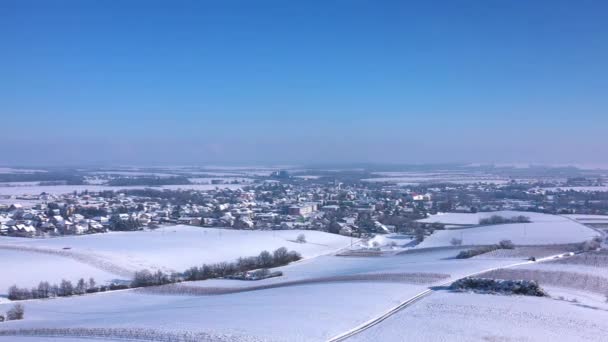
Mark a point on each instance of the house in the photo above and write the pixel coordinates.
(302, 209)
(195, 221)
(24, 230)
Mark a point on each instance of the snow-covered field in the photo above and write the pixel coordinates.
(27, 269)
(170, 248)
(543, 229)
(446, 316)
(535, 233)
(588, 219)
(299, 313)
(315, 299)
(473, 218)
(410, 178)
(312, 311)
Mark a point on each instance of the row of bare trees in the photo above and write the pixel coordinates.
(46, 290)
(265, 259)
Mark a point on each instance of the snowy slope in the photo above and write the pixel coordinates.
(474, 317)
(179, 247)
(535, 233)
(312, 312)
(26, 269)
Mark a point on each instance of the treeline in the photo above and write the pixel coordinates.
(64, 289)
(149, 181)
(68, 178)
(265, 259)
(145, 278)
(469, 253)
(497, 219)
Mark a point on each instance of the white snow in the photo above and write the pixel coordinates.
(314, 311)
(170, 248)
(473, 218)
(475, 317)
(26, 269)
(535, 233)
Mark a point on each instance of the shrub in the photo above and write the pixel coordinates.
(469, 253)
(456, 242)
(506, 244)
(15, 313)
(486, 285)
(301, 238)
(497, 219)
(592, 244)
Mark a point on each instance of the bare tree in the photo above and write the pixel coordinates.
(15, 313)
(81, 287)
(66, 288)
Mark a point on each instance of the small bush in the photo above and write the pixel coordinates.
(591, 245)
(506, 244)
(301, 238)
(456, 242)
(469, 253)
(497, 219)
(17, 312)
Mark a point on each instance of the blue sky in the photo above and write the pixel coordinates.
(156, 82)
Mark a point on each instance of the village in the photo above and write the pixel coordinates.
(282, 202)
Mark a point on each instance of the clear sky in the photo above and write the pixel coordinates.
(191, 82)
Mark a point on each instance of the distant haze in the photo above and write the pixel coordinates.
(259, 82)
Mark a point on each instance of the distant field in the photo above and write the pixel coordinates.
(539, 233)
(473, 218)
(64, 189)
(543, 230)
